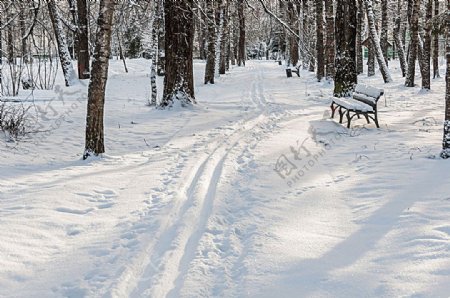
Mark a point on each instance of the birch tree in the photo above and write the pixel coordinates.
(426, 55)
(446, 140)
(95, 140)
(330, 39)
(376, 43)
(63, 49)
(398, 39)
(211, 42)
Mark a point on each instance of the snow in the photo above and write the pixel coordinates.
(187, 202)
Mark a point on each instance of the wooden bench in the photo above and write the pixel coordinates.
(291, 70)
(363, 102)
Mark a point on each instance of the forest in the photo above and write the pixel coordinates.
(224, 148)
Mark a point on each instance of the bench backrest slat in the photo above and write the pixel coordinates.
(367, 94)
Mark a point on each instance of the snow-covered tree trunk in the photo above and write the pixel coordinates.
(359, 38)
(436, 45)
(312, 39)
(63, 49)
(320, 51)
(304, 34)
(346, 76)
(224, 45)
(446, 140)
(371, 60)
(384, 29)
(413, 46)
(426, 55)
(211, 39)
(330, 40)
(154, 56)
(376, 43)
(241, 47)
(83, 40)
(398, 40)
(293, 40)
(161, 66)
(219, 40)
(95, 143)
(179, 46)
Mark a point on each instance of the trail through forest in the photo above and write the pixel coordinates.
(194, 203)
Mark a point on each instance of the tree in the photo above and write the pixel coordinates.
(413, 46)
(211, 39)
(241, 46)
(83, 40)
(320, 51)
(446, 140)
(398, 39)
(359, 38)
(426, 54)
(436, 44)
(346, 76)
(376, 42)
(384, 29)
(95, 143)
(63, 50)
(179, 44)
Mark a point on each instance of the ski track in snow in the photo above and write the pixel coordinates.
(198, 211)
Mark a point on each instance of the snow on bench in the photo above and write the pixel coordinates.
(363, 102)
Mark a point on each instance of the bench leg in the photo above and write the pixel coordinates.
(333, 109)
(376, 120)
(341, 115)
(349, 119)
(367, 118)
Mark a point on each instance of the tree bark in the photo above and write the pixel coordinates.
(346, 75)
(63, 49)
(436, 45)
(211, 46)
(426, 55)
(376, 43)
(446, 140)
(95, 143)
(180, 30)
(161, 67)
(242, 33)
(83, 41)
(398, 40)
(320, 51)
(414, 31)
(384, 30)
(359, 38)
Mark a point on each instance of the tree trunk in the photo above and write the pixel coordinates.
(305, 37)
(225, 39)
(414, 28)
(376, 43)
(330, 41)
(320, 51)
(426, 55)
(179, 79)
(154, 52)
(83, 41)
(371, 60)
(359, 38)
(384, 30)
(346, 75)
(95, 143)
(211, 47)
(63, 50)
(436, 45)
(398, 40)
(161, 67)
(446, 140)
(241, 47)
(293, 41)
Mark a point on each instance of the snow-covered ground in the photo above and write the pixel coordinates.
(187, 203)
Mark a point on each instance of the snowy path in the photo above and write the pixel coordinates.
(197, 209)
